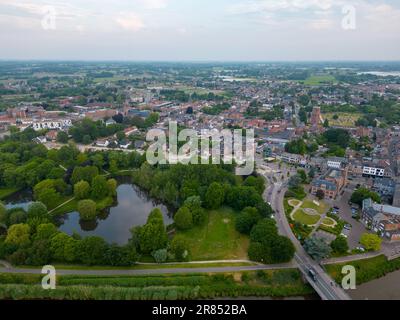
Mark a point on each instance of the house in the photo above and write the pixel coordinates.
(110, 122)
(382, 219)
(139, 144)
(124, 144)
(332, 183)
(40, 139)
(294, 159)
(102, 143)
(52, 135)
(131, 130)
(336, 163)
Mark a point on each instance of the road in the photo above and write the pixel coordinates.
(323, 284)
(138, 272)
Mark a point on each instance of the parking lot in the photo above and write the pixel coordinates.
(357, 229)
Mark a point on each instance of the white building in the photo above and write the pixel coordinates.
(51, 124)
(373, 171)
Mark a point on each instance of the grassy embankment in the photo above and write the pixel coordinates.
(274, 283)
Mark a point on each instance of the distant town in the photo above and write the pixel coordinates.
(327, 140)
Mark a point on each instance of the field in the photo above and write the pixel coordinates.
(304, 218)
(346, 120)
(271, 283)
(319, 80)
(367, 269)
(309, 213)
(218, 239)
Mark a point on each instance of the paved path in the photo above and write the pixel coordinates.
(152, 271)
(5, 264)
(201, 262)
(61, 205)
(352, 258)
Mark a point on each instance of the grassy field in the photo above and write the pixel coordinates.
(345, 119)
(322, 208)
(304, 218)
(271, 283)
(6, 192)
(318, 80)
(218, 239)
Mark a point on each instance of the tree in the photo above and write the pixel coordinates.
(160, 256)
(16, 216)
(81, 190)
(87, 210)
(282, 250)
(326, 123)
(62, 137)
(214, 196)
(296, 147)
(152, 236)
(91, 251)
(183, 219)
(257, 182)
(320, 194)
(247, 219)
(38, 210)
(50, 197)
(45, 231)
(84, 173)
(18, 234)
(99, 187)
(371, 242)
(340, 245)
(317, 248)
(63, 248)
(112, 187)
(179, 248)
(362, 194)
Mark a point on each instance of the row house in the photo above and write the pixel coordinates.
(382, 219)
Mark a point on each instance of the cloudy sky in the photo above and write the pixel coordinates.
(200, 30)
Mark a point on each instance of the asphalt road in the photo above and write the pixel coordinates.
(323, 284)
(137, 272)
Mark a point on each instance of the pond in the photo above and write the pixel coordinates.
(131, 209)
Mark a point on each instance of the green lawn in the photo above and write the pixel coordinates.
(322, 208)
(302, 217)
(328, 222)
(218, 239)
(318, 80)
(67, 208)
(6, 192)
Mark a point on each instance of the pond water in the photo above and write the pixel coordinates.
(131, 209)
(21, 199)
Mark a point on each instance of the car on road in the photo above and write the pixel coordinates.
(348, 226)
(313, 274)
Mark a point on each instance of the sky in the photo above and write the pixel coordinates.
(200, 30)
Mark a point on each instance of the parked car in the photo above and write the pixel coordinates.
(348, 227)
